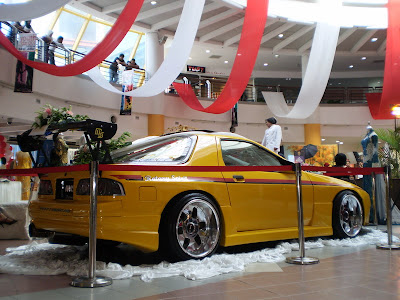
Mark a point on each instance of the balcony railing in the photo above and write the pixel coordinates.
(64, 56)
(205, 87)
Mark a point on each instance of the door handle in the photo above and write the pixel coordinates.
(238, 178)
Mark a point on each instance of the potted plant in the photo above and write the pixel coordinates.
(390, 155)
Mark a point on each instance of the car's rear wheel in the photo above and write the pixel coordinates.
(347, 218)
(191, 228)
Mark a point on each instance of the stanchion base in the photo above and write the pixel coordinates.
(86, 282)
(302, 260)
(388, 247)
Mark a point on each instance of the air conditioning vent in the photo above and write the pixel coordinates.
(215, 56)
(379, 61)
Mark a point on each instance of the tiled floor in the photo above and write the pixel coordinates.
(343, 273)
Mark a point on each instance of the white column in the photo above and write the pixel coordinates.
(154, 53)
(304, 63)
(153, 59)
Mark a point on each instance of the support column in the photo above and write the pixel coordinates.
(312, 134)
(154, 58)
(155, 124)
(304, 64)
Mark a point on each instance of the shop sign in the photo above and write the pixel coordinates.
(196, 69)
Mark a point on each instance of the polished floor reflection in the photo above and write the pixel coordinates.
(343, 273)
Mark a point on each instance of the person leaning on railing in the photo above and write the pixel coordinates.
(53, 46)
(114, 67)
(132, 65)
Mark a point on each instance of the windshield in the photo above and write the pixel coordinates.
(175, 150)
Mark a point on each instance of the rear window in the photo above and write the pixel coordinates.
(172, 150)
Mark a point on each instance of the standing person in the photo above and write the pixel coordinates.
(53, 46)
(47, 39)
(114, 67)
(273, 135)
(28, 27)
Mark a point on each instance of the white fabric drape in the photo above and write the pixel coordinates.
(29, 10)
(316, 77)
(174, 62)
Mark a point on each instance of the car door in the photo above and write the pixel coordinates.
(261, 200)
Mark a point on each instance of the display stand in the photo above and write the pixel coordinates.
(92, 280)
(302, 259)
(389, 245)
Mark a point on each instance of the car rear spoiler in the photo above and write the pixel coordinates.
(95, 132)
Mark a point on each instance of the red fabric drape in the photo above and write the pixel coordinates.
(380, 105)
(252, 32)
(96, 56)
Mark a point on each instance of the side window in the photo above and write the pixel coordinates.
(241, 153)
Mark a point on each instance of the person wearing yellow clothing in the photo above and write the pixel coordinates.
(24, 161)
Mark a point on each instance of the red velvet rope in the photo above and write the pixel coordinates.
(96, 56)
(46, 170)
(380, 105)
(252, 32)
(338, 171)
(330, 171)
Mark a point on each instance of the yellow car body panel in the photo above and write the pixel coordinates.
(260, 207)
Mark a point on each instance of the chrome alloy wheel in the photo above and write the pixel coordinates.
(197, 228)
(351, 215)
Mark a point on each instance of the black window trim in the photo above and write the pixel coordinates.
(283, 161)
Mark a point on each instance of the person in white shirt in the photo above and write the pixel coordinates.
(273, 135)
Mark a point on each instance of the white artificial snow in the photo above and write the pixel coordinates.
(48, 259)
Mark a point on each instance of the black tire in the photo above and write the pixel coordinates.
(347, 215)
(190, 228)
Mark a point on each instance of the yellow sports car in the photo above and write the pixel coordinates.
(204, 193)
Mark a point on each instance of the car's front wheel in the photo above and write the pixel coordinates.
(347, 218)
(191, 228)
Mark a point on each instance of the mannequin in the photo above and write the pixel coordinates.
(370, 151)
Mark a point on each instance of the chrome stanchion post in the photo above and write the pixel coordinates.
(301, 260)
(389, 245)
(374, 198)
(92, 280)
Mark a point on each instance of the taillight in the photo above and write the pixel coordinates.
(45, 187)
(106, 187)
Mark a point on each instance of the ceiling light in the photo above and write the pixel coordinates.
(341, 143)
(322, 140)
(266, 64)
(337, 141)
(280, 35)
(351, 67)
(208, 51)
(373, 40)
(276, 55)
(363, 58)
(190, 57)
(226, 61)
(153, 2)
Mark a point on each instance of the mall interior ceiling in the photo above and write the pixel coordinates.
(284, 43)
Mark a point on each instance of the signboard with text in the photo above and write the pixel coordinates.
(196, 69)
(27, 42)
